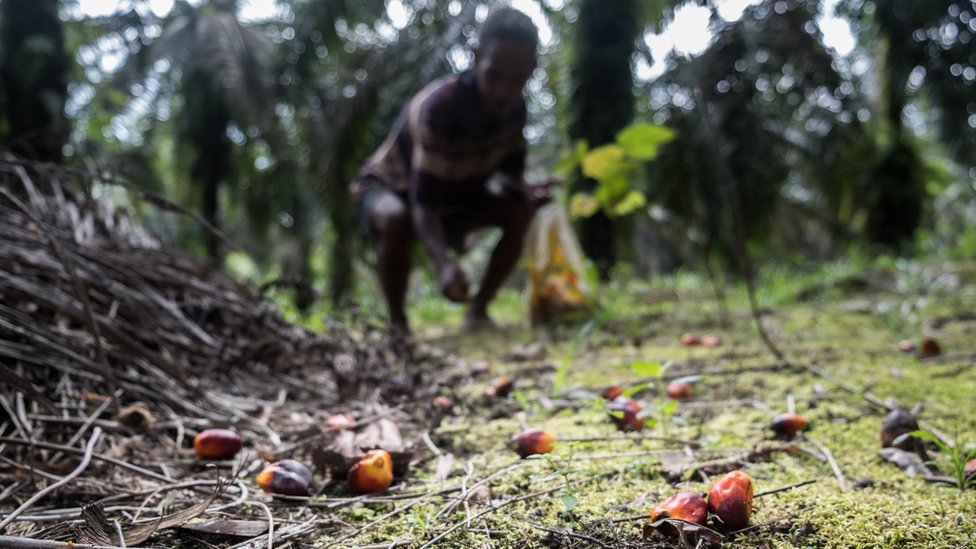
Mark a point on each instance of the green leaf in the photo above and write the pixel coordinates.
(566, 165)
(669, 407)
(583, 205)
(560, 377)
(602, 160)
(633, 201)
(647, 369)
(569, 501)
(641, 141)
(635, 389)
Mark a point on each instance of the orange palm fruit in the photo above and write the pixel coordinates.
(711, 341)
(533, 441)
(442, 404)
(625, 413)
(373, 473)
(287, 477)
(679, 390)
(929, 348)
(683, 505)
(970, 468)
(217, 444)
(730, 499)
(690, 340)
(503, 386)
(789, 424)
(611, 393)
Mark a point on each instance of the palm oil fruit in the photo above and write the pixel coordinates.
(899, 422)
(679, 390)
(970, 468)
(373, 473)
(625, 413)
(690, 340)
(730, 499)
(929, 348)
(533, 441)
(611, 393)
(287, 477)
(687, 506)
(711, 341)
(340, 421)
(217, 444)
(789, 424)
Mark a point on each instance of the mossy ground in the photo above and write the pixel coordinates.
(848, 322)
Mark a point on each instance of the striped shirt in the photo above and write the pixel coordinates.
(444, 147)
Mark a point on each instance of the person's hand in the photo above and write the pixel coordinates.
(453, 282)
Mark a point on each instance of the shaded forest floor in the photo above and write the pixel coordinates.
(845, 320)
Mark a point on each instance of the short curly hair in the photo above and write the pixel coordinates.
(507, 23)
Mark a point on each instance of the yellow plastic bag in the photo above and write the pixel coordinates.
(556, 282)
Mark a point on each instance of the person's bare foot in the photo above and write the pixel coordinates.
(476, 320)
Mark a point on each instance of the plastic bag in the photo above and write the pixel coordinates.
(556, 282)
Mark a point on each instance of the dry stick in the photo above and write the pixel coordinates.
(12, 542)
(100, 457)
(80, 290)
(270, 522)
(89, 448)
(88, 422)
(566, 533)
(738, 218)
(490, 510)
(635, 439)
(358, 531)
(833, 463)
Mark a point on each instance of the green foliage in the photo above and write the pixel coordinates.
(614, 166)
(955, 456)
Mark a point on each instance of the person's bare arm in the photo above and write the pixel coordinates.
(451, 279)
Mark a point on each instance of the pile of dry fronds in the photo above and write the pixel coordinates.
(111, 337)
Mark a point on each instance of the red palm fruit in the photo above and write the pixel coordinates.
(217, 444)
(503, 386)
(906, 346)
(287, 477)
(442, 404)
(533, 441)
(970, 468)
(340, 421)
(480, 368)
(373, 473)
(730, 499)
(624, 412)
(690, 340)
(898, 422)
(611, 393)
(683, 505)
(711, 340)
(789, 424)
(929, 348)
(679, 390)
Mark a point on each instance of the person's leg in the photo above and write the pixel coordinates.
(513, 216)
(392, 228)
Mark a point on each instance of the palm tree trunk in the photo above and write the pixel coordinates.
(33, 76)
(602, 101)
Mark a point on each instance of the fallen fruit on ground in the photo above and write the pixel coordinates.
(730, 499)
(897, 423)
(217, 444)
(533, 441)
(340, 421)
(687, 506)
(442, 404)
(611, 393)
(929, 348)
(711, 340)
(625, 411)
(970, 468)
(287, 477)
(679, 390)
(906, 346)
(690, 340)
(503, 386)
(788, 424)
(373, 473)
(480, 368)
